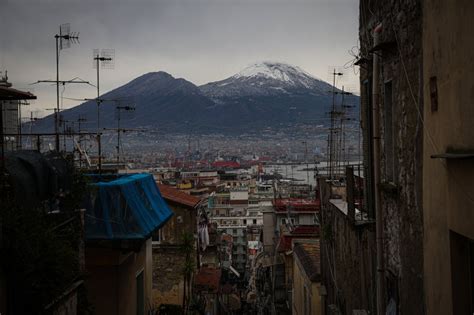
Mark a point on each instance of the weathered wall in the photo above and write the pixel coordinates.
(168, 280)
(184, 220)
(300, 281)
(347, 258)
(448, 193)
(269, 231)
(111, 282)
(400, 64)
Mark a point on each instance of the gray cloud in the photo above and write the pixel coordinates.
(200, 40)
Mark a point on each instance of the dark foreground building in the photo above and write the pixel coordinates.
(406, 246)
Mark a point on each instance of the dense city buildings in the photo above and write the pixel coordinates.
(270, 192)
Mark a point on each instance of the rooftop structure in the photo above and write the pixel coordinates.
(127, 207)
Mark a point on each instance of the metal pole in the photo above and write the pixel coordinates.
(98, 95)
(19, 140)
(332, 122)
(307, 166)
(118, 136)
(57, 94)
(100, 160)
(98, 117)
(2, 138)
(80, 142)
(64, 134)
(31, 128)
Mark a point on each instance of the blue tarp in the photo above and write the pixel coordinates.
(128, 207)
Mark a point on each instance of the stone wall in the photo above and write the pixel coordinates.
(400, 68)
(168, 279)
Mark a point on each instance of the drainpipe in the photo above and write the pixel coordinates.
(376, 171)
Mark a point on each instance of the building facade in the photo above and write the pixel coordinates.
(306, 297)
(448, 170)
(392, 126)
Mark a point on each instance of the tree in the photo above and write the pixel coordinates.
(187, 247)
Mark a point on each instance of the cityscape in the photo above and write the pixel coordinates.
(178, 174)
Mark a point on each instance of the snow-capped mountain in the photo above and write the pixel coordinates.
(262, 95)
(266, 78)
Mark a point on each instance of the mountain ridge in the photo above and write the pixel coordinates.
(262, 95)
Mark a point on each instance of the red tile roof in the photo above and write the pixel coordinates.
(225, 164)
(305, 229)
(175, 195)
(297, 205)
(299, 232)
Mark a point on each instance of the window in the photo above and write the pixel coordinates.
(389, 142)
(254, 221)
(157, 237)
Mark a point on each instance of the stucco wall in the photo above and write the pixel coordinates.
(448, 187)
(300, 281)
(111, 281)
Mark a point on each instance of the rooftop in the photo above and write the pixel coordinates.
(297, 204)
(10, 94)
(175, 195)
(299, 232)
(309, 256)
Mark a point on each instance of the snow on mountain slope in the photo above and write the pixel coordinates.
(266, 78)
(278, 71)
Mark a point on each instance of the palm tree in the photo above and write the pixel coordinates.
(187, 247)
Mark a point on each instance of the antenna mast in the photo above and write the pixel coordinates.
(63, 41)
(119, 109)
(105, 59)
(332, 130)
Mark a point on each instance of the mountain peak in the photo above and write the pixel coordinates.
(266, 78)
(274, 70)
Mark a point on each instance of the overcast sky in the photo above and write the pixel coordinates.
(199, 40)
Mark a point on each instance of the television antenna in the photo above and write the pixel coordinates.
(105, 59)
(63, 41)
(119, 109)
